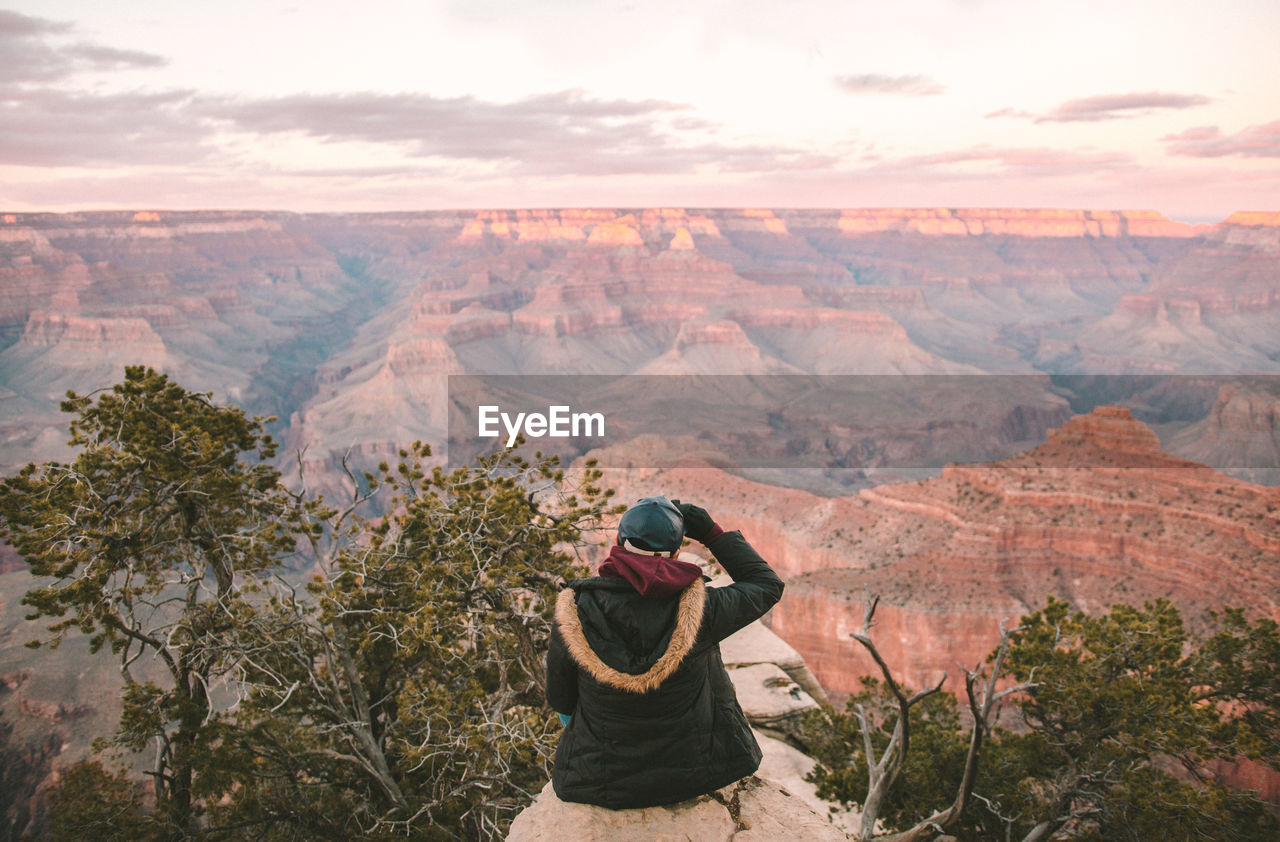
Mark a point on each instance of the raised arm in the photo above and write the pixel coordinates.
(755, 589)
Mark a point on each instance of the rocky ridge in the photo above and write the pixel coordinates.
(346, 325)
(1098, 514)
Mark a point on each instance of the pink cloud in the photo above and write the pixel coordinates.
(1094, 109)
(50, 127)
(26, 56)
(559, 133)
(1014, 160)
(1009, 112)
(878, 83)
(1261, 141)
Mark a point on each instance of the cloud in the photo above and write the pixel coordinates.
(565, 133)
(28, 56)
(48, 127)
(877, 83)
(1095, 109)
(560, 133)
(1010, 112)
(98, 57)
(48, 123)
(15, 25)
(1261, 141)
(456, 127)
(1008, 161)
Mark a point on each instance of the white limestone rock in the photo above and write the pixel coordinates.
(768, 695)
(786, 766)
(751, 810)
(756, 644)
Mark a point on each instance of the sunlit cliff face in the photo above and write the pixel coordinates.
(954, 555)
(347, 326)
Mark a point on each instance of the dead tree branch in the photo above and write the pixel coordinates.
(882, 772)
(980, 688)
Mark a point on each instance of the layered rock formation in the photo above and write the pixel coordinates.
(348, 326)
(1098, 514)
(234, 303)
(1022, 223)
(332, 322)
(1241, 433)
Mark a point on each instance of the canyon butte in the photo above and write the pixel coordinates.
(346, 327)
(1120, 423)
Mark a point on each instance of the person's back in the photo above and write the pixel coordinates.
(635, 662)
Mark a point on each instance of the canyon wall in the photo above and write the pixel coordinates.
(1097, 515)
(346, 326)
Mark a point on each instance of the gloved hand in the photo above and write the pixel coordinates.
(698, 525)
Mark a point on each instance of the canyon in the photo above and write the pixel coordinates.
(346, 326)
(1086, 402)
(1096, 515)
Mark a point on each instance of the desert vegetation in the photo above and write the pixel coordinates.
(395, 689)
(1113, 727)
(295, 667)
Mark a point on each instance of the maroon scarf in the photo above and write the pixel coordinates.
(651, 576)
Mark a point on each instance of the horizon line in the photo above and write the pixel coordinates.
(6, 214)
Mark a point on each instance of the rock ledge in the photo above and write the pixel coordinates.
(751, 810)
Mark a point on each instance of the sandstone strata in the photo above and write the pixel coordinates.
(286, 313)
(1019, 222)
(1099, 514)
(1241, 433)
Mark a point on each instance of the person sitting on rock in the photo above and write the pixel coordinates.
(634, 664)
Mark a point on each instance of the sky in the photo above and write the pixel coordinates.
(382, 105)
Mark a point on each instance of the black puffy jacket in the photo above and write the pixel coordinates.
(655, 719)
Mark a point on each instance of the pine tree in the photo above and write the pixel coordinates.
(402, 693)
(145, 542)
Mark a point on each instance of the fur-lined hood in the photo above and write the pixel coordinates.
(687, 622)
